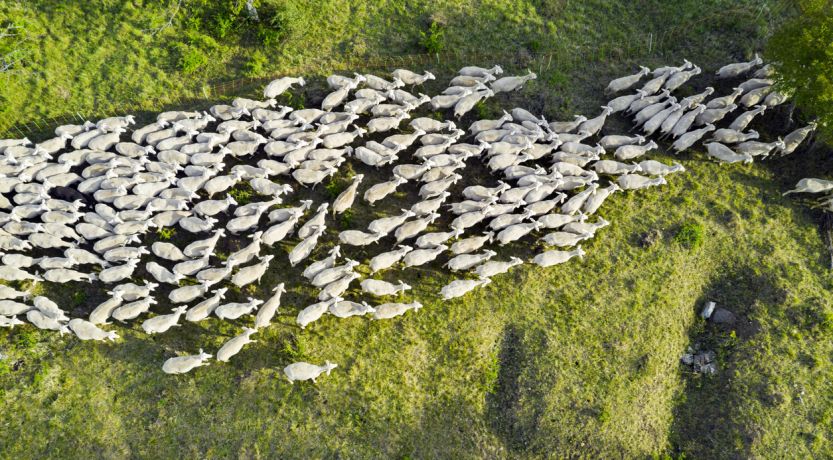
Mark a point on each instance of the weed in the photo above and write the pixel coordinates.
(242, 194)
(345, 220)
(25, 338)
(690, 235)
(165, 233)
(79, 297)
(433, 40)
(334, 187)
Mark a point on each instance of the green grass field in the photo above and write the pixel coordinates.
(581, 360)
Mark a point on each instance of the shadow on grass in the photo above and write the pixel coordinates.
(707, 419)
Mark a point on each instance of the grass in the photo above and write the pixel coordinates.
(583, 360)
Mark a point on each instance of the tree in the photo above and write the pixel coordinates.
(802, 53)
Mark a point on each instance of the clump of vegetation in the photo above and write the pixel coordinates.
(256, 63)
(690, 235)
(79, 297)
(190, 59)
(334, 187)
(165, 233)
(433, 39)
(242, 194)
(800, 51)
(345, 220)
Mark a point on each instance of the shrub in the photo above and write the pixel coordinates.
(254, 66)
(433, 40)
(191, 59)
(690, 235)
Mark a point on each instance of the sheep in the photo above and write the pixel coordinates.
(669, 114)
(104, 310)
(236, 310)
(132, 310)
(459, 288)
(471, 244)
(384, 124)
(184, 364)
(430, 206)
(186, 294)
(269, 308)
(383, 288)
(85, 330)
(742, 121)
(811, 185)
(307, 177)
(205, 308)
(543, 207)
(467, 261)
(508, 84)
(328, 275)
(303, 249)
(315, 311)
(737, 69)
(131, 292)
(555, 257)
(655, 84)
(161, 323)
(504, 220)
(763, 149)
(410, 78)
(678, 79)
(711, 116)
(565, 239)
(392, 310)
(682, 125)
(516, 232)
(346, 309)
(647, 101)
(438, 187)
(672, 69)
(284, 214)
(49, 308)
(277, 87)
(615, 141)
(358, 238)
(624, 83)
(250, 274)
(13, 308)
(388, 259)
(466, 103)
(10, 321)
(686, 140)
(727, 100)
(635, 181)
(7, 292)
(200, 248)
(655, 168)
(306, 371)
(731, 136)
(419, 257)
(795, 138)
(62, 275)
(474, 71)
(756, 96)
(724, 154)
(775, 98)
(317, 220)
(494, 267)
(235, 344)
(629, 152)
(621, 103)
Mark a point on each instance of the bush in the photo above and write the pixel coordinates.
(690, 235)
(241, 194)
(254, 66)
(191, 59)
(433, 40)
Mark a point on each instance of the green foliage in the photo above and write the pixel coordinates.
(25, 338)
(79, 297)
(690, 235)
(165, 233)
(190, 59)
(254, 66)
(345, 220)
(433, 39)
(802, 51)
(241, 193)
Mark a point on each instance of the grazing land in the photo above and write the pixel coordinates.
(578, 360)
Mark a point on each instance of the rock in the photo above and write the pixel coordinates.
(708, 310)
(723, 316)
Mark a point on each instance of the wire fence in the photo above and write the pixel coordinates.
(566, 59)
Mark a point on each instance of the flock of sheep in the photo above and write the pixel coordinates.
(85, 201)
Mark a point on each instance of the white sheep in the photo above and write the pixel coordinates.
(235, 345)
(383, 288)
(86, 330)
(555, 257)
(315, 311)
(161, 323)
(235, 310)
(623, 83)
(305, 371)
(392, 310)
(724, 154)
(184, 364)
(459, 288)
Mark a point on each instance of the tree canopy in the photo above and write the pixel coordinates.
(802, 52)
